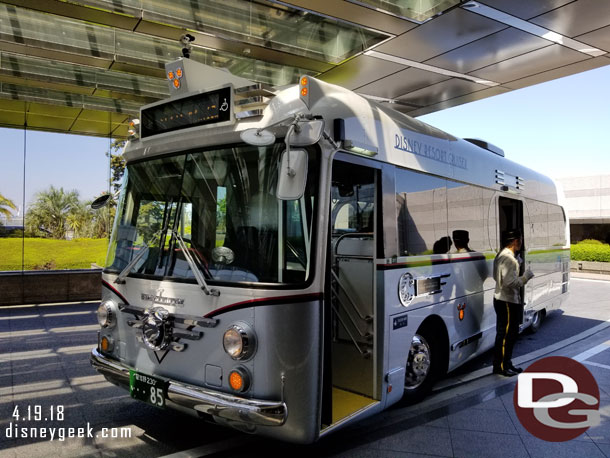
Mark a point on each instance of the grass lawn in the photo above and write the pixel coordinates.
(52, 254)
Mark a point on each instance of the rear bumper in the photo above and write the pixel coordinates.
(221, 405)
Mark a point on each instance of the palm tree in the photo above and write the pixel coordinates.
(50, 211)
(6, 205)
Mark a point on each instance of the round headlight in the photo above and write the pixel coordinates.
(106, 314)
(238, 341)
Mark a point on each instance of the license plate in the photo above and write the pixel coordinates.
(148, 389)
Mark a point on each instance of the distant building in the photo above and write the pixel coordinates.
(588, 207)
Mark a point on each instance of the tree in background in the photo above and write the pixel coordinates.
(117, 164)
(6, 205)
(48, 215)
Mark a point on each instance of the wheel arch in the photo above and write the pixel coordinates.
(435, 326)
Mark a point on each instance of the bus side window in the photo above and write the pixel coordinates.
(537, 220)
(421, 202)
(468, 209)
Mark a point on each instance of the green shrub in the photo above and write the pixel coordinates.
(591, 242)
(586, 251)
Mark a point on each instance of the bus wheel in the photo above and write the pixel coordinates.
(537, 321)
(420, 370)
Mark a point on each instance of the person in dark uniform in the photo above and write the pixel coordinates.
(507, 303)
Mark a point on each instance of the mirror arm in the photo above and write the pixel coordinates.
(291, 171)
(334, 144)
(294, 127)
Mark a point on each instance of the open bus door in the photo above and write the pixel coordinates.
(350, 382)
(511, 218)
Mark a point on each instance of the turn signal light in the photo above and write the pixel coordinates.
(236, 381)
(239, 380)
(106, 344)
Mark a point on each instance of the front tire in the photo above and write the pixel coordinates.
(422, 367)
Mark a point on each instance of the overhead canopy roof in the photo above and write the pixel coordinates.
(86, 66)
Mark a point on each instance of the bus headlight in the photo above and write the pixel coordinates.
(106, 314)
(239, 341)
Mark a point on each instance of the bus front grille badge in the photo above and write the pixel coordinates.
(161, 330)
(156, 329)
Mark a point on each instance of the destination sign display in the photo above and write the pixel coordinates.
(196, 110)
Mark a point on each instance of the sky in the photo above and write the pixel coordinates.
(559, 128)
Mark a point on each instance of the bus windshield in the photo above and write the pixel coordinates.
(220, 205)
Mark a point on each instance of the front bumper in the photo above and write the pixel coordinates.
(221, 405)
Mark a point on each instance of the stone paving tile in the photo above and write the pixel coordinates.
(601, 357)
(492, 404)
(442, 422)
(7, 449)
(475, 444)
(507, 399)
(421, 439)
(41, 448)
(600, 434)
(605, 448)
(570, 449)
(368, 453)
(133, 446)
(491, 421)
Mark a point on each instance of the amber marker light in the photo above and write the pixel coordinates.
(304, 81)
(170, 75)
(178, 73)
(106, 344)
(461, 309)
(176, 83)
(236, 381)
(304, 91)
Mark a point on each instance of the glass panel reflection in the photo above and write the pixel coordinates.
(261, 23)
(11, 199)
(64, 173)
(416, 10)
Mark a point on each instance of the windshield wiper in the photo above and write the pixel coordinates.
(121, 278)
(191, 262)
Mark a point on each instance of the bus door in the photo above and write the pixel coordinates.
(510, 218)
(350, 333)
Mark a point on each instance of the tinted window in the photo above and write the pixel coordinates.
(421, 208)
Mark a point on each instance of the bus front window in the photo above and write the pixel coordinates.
(222, 205)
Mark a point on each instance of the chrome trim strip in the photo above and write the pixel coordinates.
(223, 405)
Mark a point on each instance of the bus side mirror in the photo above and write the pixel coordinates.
(292, 174)
(101, 201)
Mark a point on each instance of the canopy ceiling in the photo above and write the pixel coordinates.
(87, 66)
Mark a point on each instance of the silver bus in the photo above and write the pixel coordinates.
(288, 261)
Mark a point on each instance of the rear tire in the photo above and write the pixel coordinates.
(537, 321)
(422, 368)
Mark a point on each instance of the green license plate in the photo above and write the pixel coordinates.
(148, 389)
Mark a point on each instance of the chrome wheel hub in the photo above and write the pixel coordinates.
(418, 362)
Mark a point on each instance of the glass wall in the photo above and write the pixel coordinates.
(47, 182)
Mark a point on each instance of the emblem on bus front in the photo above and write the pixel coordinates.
(156, 329)
(406, 289)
